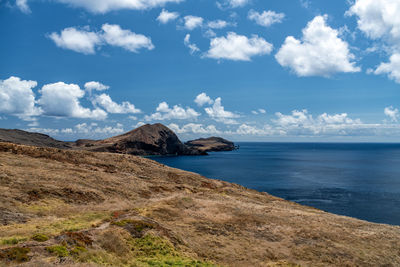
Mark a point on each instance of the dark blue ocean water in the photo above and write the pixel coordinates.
(357, 180)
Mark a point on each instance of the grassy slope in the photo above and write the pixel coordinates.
(121, 210)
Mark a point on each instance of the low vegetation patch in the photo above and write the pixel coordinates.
(16, 254)
(12, 240)
(58, 250)
(40, 237)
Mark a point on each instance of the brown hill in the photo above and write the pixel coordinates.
(31, 139)
(76, 208)
(211, 144)
(155, 139)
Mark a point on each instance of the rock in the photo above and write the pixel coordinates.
(211, 144)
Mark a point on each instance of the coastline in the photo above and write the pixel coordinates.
(102, 194)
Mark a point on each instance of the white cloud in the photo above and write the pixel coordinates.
(62, 100)
(114, 35)
(302, 123)
(245, 129)
(194, 128)
(81, 41)
(320, 52)
(209, 33)
(85, 41)
(192, 22)
(218, 24)
(51, 132)
(17, 98)
(192, 47)
(203, 99)
(139, 124)
(218, 113)
(238, 47)
(266, 18)
(164, 112)
(104, 6)
(259, 111)
(23, 6)
(93, 129)
(232, 3)
(392, 113)
(95, 86)
(84, 130)
(110, 106)
(377, 18)
(392, 68)
(166, 16)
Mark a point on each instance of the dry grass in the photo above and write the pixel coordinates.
(121, 210)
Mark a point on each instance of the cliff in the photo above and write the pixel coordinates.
(79, 208)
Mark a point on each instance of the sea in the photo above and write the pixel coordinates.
(359, 180)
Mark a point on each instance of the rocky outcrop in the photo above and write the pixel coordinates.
(155, 139)
(211, 144)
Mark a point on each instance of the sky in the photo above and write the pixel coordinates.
(247, 70)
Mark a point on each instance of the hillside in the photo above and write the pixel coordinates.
(32, 139)
(72, 208)
(155, 139)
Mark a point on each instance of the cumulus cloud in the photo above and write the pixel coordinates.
(320, 52)
(194, 128)
(104, 6)
(78, 40)
(86, 42)
(164, 112)
(203, 99)
(62, 100)
(17, 98)
(303, 123)
(192, 22)
(23, 6)
(238, 47)
(218, 113)
(391, 68)
(192, 47)
(266, 18)
(166, 16)
(232, 3)
(377, 18)
(114, 35)
(110, 106)
(95, 86)
(392, 113)
(94, 129)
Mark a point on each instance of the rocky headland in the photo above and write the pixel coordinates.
(147, 140)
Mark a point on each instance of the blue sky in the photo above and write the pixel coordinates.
(250, 70)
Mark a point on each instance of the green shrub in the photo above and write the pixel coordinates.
(59, 250)
(40, 237)
(77, 250)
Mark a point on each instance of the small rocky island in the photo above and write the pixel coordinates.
(211, 144)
